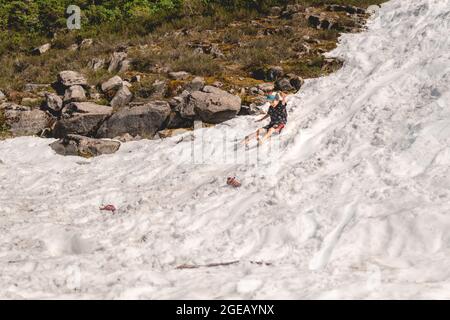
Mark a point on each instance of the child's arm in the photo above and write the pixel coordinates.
(283, 96)
(263, 118)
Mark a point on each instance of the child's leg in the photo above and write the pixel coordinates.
(267, 135)
(251, 136)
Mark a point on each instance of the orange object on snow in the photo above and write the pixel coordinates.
(109, 207)
(232, 181)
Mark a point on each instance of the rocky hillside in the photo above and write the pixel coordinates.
(156, 85)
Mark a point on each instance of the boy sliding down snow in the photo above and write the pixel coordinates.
(278, 118)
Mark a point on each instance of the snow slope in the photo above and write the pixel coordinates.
(353, 203)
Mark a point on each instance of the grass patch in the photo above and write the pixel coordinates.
(198, 64)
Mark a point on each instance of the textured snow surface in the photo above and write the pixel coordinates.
(355, 205)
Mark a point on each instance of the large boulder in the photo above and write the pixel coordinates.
(81, 118)
(76, 145)
(268, 74)
(75, 94)
(144, 120)
(113, 83)
(71, 78)
(284, 85)
(122, 97)
(214, 105)
(25, 121)
(295, 81)
(176, 121)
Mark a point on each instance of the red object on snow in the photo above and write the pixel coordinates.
(109, 207)
(232, 181)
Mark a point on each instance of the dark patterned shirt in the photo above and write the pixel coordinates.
(278, 114)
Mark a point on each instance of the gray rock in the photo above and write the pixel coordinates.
(284, 85)
(124, 138)
(180, 75)
(259, 74)
(96, 64)
(253, 90)
(274, 73)
(71, 78)
(199, 51)
(116, 61)
(113, 83)
(86, 43)
(213, 105)
(175, 121)
(122, 98)
(136, 78)
(177, 103)
(346, 8)
(125, 65)
(75, 94)
(42, 49)
(197, 84)
(294, 8)
(73, 47)
(2, 96)
(81, 118)
(53, 102)
(250, 110)
(275, 11)
(321, 23)
(86, 108)
(298, 16)
(159, 88)
(291, 10)
(266, 87)
(216, 52)
(94, 93)
(296, 81)
(144, 120)
(76, 145)
(314, 21)
(25, 121)
(212, 89)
